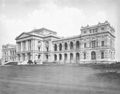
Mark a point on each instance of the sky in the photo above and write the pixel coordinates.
(63, 16)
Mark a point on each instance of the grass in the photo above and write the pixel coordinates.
(102, 66)
(109, 77)
(60, 79)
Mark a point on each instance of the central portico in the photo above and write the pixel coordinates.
(35, 45)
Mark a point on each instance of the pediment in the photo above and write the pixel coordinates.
(23, 35)
(45, 32)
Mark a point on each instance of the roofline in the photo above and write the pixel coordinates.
(21, 34)
(98, 33)
(49, 30)
(52, 36)
(94, 26)
(9, 44)
(78, 36)
(44, 29)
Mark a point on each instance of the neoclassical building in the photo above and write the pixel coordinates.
(8, 53)
(95, 44)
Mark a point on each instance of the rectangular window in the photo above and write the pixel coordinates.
(102, 55)
(39, 49)
(90, 31)
(102, 28)
(39, 41)
(84, 32)
(84, 55)
(38, 56)
(96, 30)
(93, 44)
(102, 43)
(84, 45)
(47, 48)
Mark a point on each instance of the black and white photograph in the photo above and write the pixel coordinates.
(59, 46)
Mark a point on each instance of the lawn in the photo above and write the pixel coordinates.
(60, 79)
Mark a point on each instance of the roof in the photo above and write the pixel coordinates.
(31, 34)
(76, 36)
(9, 45)
(40, 30)
(39, 33)
(94, 26)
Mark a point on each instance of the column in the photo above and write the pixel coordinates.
(17, 47)
(29, 45)
(36, 45)
(74, 57)
(58, 47)
(74, 45)
(20, 46)
(26, 45)
(23, 44)
(26, 58)
(32, 44)
(63, 57)
(68, 57)
(20, 57)
(68, 45)
(33, 56)
(50, 57)
(57, 57)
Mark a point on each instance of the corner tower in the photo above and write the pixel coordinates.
(99, 42)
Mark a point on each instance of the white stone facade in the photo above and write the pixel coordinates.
(95, 44)
(8, 53)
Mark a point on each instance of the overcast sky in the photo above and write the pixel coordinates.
(63, 16)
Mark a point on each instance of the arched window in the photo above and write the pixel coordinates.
(47, 57)
(77, 57)
(71, 45)
(55, 57)
(71, 56)
(66, 46)
(102, 55)
(60, 57)
(55, 47)
(93, 55)
(60, 46)
(77, 44)
(65, 56)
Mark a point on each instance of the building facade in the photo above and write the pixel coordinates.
(8, 53)
(95, 44)
(35, 45)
